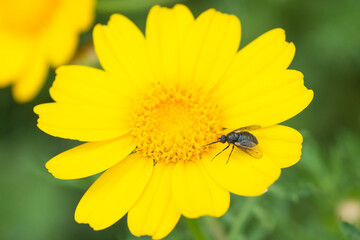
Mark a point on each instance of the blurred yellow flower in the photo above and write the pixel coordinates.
(163, 97)
(35, 35)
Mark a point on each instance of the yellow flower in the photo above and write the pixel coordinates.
(163, 97)
(35, 35)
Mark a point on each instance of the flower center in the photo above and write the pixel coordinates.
(174, 123)
(26, 17)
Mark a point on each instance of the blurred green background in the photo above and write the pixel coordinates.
(308, 201)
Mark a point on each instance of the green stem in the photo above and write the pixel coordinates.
(111, 6)
(215, 228)
(194, 228)
(241, 218)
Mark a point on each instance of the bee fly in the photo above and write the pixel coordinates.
(243, 140)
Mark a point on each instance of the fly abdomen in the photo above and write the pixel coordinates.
(246, 136)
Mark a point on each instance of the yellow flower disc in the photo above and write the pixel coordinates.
(27, 17)
(175, 123)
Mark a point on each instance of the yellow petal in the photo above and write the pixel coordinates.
(62, 36)
(155, 213)
(166, 30)
(195, 192)
(114, 192)
(14, 54)
(82, 13)
(60, 39)
(269, 52)
(61, 45)
(82, 122)
(31, 79)
(210, 47)
(243, 174)
(280, 143)
(86, 85)
(120, 47)
(266, 100)
(90, 158)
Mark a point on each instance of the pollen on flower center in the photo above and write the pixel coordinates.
(173, 124)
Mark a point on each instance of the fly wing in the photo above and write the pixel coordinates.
(248, 128)
(253, 151)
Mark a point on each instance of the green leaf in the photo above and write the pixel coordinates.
(349, 231)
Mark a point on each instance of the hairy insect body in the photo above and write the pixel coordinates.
(243, 140)
(247, 137)
(232, 137)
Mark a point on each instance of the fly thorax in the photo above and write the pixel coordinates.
(232, 137)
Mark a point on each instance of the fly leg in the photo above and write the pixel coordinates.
(221, 152)
(232, 149)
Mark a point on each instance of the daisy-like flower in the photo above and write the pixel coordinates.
(148, 116)
(35, 35)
